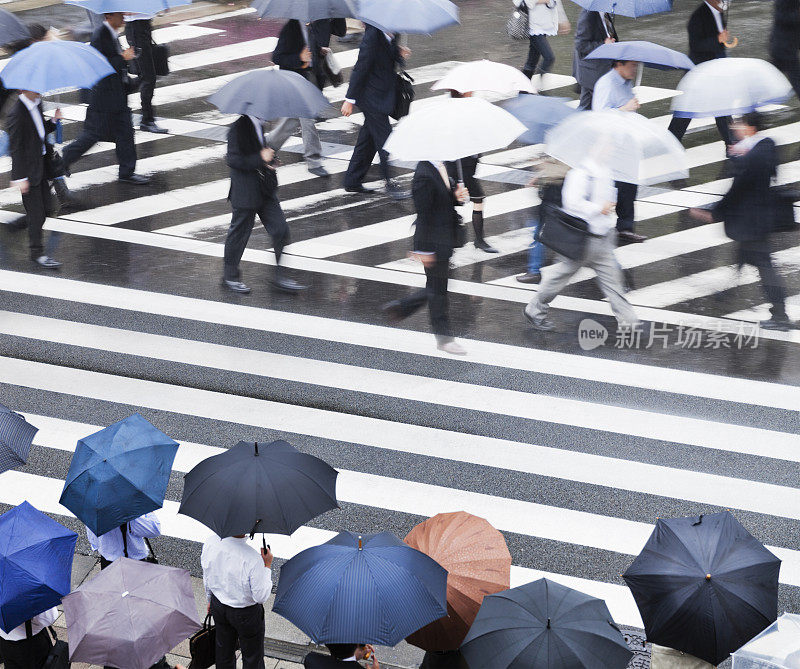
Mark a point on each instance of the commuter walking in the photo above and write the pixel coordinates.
(784, 41)
(139, 33)
(592, 30)
(545, 18)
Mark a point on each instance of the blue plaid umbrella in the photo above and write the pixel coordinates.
(118, 474)
(16, 436)
(422, 17)
(11, 28)
(35, 564)
(634, 8)
(130, 6)
(369, 588)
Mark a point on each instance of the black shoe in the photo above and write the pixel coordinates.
(529, 277)
(236, 286)
(392, 311)
(483, 246)
(539, 322)
(47, 262)
(68, 205)
(780, 324)
(136, 179)
(358, 190)
(319, 171)
(287, 284)
(152, 127)
(630, 237)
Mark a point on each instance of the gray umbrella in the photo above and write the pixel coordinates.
(130, 615)
(16, 436)
(306, 10)
(270, 94)
(11, 28)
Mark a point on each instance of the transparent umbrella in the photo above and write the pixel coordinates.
(777, 647)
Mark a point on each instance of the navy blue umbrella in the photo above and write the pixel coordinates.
(128, 6)
(651, 55)
(369, 588)
(538, 113)
(118, 474)
(421, 17)
(704, 585)
(633, 8)
(11, 28)
(35, 564)
(16, 437)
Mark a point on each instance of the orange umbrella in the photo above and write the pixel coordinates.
(478, 563)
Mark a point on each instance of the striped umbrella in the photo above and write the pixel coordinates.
(16, 436)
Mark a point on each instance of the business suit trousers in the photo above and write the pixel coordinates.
(371, 138)
(98, 127)
(600, 257)
(678, 126)
(626, 198)
(38, 203)
(757, 254)
(538, 48)
(147, 86)
(242, 222)
(791, 68)
(435, 294)
(286, 127)
(27, 653)
(246, 625)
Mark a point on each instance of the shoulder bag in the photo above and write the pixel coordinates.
(404, 94)
(784, 197)
(518, 26)
(202, 645)
(563, 233)
(160, 59)
(58, 657)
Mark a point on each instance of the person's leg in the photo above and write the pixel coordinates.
(533, 56)
(548, 57)
(282, 129)
(80, 145)
(600, 257)
(236, 241)
(146, 90)
(249, 625)
(438, 307)
(535, 257)
(407, 305)
(225, 654)
(125, 146)
(274, 222)
(678, 126)
(791, 68)
(554, 281)
(477, 226)
(758, 255)
(380, 129)
(312, 147)
(585, 103)
(626, 198)
(35, 202)
(360, 161)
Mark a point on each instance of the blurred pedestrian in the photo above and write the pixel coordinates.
(748, 211)
(139, 33)
(545, 17)
(592, 30)
(443, 659)
(343, 656)
(708, 34)
(237, 583)
(27, 646)
(108, 117)
(614, 90)
(128, 540)
(354, 31)
(373, 88)
(784, 41)
(254, 190)
(435, 237)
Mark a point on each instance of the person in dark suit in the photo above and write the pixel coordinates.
(108, 117)
(592, 30)
(139, 33)
(342, 656)
(31, 156)
(254, 190)
(784, 41)
(748, 211)
(707, 37)
(435, 237)
(372, 88)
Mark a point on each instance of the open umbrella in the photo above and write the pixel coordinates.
(647, 53)
(16, 437)
(118, 474)
(369, 588)
(729, 86)
(306, 10)
(130, 614)
(546, 625)
(478, 563)
(484, 75)
(422, 17)
(270, 94)
(704, 585)
(538, 113)
(127, 6)
(266, 488)
(35, 564)
(777, 647)
(632, 8)
(11, 28)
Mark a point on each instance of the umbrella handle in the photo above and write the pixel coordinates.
(639, 73)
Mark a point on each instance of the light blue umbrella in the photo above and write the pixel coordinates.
(54, 65)
(420, 17)
(652, 55)
(306, 10)
(538, 113)
(633, 8)
(130, 6)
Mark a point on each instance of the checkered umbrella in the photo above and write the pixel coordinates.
(16, 436)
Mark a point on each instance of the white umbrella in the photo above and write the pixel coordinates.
(484, 75)
(729, 86)
(453, 128)
(777, 647)
(635, 149)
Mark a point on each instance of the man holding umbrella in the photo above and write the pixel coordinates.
(128, 540)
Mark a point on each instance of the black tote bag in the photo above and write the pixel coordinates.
(404, 95)
(202, 646)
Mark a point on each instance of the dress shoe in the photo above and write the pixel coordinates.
(630, 237)
(394, 191)
(136, 179)
(287, 284)
(236, 286)
(529, 277)
(452, 347)
(780, 324)
(319, 171)
(483, 246)
(152, 127)
(47, 262)
(540, 323)
(360, 189)
(392, 311)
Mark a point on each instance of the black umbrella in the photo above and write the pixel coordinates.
(704, 585)
(306, 10)
(266, 488)
(12, 29)
(546, 625)
(16, 436)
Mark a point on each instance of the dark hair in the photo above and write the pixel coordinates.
(755, 119)
(38, 31)
(619, 62)
(341, 651)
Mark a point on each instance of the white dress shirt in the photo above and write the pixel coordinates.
(38, 623)
(234, 572)
(612, 91)
(717, 17)
(111, 546)
(586, 190)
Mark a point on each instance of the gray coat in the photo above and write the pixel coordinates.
(589, 34)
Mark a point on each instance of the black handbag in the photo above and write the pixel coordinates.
(784, 198)
(565, 234)
(58, 657)
(161, 59)
(404, 95)
(202, 645)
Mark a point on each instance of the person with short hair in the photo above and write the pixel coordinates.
(342, 656)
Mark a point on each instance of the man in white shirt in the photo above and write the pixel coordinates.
(128, 540)
(237, 582)
(22, 648)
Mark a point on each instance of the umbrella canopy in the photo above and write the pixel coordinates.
(369, 588)
(35, 564)
(484, 75)
(270, 488)
(478, 563)
(422, 17)
(305, 10)
(652, 55)
(729, 86)
(11, 28)
(118, 474)
(777, 647)
(453, 128)
(127, 6)
(704, 585)
(633, 8)
(130, 614)
(545, 625)
(54, 65)
(16, 437)
(538, 113)
(270, 94)
(635, 149)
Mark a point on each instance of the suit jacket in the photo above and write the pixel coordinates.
(436, 215)
(27, 160)
(291, 42)
(139, 34)
(111, 93)
(372, 82)
(784, 42)
(704, 41)
(251, 181)
(590, 33)
(320, 661)
(748, 207)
